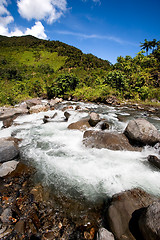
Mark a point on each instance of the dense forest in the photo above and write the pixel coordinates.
(30, 67)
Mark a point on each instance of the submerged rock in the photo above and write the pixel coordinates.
(8, 167)
(119, 215)
(143, 132)
(110, 140)
(149, 222)
(8, 150)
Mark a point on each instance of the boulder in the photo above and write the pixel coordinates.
(119, 215)
(55, 101)
(8, 167)
(109, 140)
(8, 150)
(104, 234)
(12, 113)
(38, 108)
(33, 102)
(80, 125)
(149, 222)
(154, 161)
(104, 125)
(112, 100)
(94, 119)
(140, 131)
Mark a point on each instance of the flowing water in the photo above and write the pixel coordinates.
(81, 173)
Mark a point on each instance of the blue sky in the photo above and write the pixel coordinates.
(105, 28)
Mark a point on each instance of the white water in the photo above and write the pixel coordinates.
(76, 171)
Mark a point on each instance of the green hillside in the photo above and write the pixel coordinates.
(30, 67)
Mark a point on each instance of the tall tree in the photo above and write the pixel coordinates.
(145, 46)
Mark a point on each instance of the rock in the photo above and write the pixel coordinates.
(55, 101)
(121, 209)
(154, 161)
(6, 215)
(110, 140)
(104, 125)
(7, 122)
(149, 222)
(80, 125)
(67, 115)
(8, 151)
(38, 108)
(20, 227)
(12, 113)
(94, 119)
(33, 102)
(142, 132)
(104, 234)
(77, 108)
(8, 167)
(46, 119)
(112, 100)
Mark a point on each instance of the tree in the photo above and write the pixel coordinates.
(146, 46)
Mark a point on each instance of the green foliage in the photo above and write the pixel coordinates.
(63, 84)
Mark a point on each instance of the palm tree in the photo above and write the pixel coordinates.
(153, 43)
(146, 46)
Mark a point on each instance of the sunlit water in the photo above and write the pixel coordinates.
(77, 172)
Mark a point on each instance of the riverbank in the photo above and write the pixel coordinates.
(69, 188)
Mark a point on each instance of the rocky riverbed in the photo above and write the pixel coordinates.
(60, 176)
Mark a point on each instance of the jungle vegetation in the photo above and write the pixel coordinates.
(31, 67)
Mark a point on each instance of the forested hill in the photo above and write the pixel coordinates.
(31, 67)
(75, 57)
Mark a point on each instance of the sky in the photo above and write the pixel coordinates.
(106, 28)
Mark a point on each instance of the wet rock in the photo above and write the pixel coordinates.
(94, 119)
(12, 113)
(20, 227)
(112, 100)
(141, 131)
(149, 222)
(109, 140)
(80, 125)
(77, 108)
(67, 115)
(154, 161)
(121, 209)
(8, 167)
(33, 102)
(38, 108)
(55, 101)
(6, 215)
(7, 122)
(8, 151)
(104, 125)
(104, 234)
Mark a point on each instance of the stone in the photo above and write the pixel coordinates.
(8, 151)
(6, 215)
(55, 101)
(20, 227)
(7, 122)
(109, 140)
(154, 161)
(12, 113)
(104, 234)
(94, 119)
(33, 102)
(67, 115)
(141, 131)
(38, 108)
(112, 100)
(104, 125)
(149, 222)
(8, 167)
(82, 125)
(121, 210)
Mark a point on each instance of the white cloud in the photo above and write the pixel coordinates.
(48, 10)
(5, 19)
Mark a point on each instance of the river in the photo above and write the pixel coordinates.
(84, 174)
